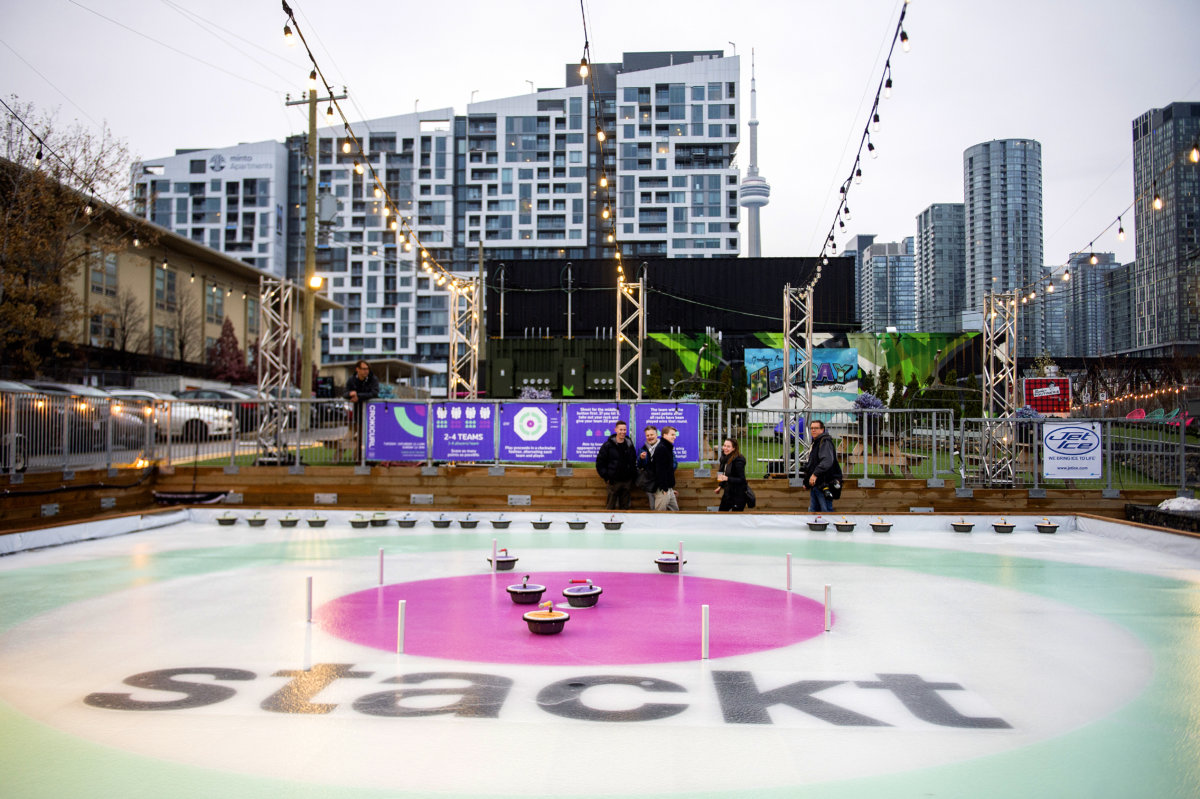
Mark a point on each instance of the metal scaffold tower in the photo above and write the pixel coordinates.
(998, 442)
(797, 379)
(631, 335)
(464, 340)
(275, 357)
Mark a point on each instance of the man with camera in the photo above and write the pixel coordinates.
(822, 474)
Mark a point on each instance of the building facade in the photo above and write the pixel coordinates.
(1002, 187)
(889, 302)
(511, 179)
(1089, 324)
(1166, 275)
(940, 266)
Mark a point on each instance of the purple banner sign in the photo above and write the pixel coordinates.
(685, 417)
(530, 431)
(395, 431)
(588, 425)
(464, 431)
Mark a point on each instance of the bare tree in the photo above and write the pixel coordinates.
(53, 180)
(129, 317)
(188, 329)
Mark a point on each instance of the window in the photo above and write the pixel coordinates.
(214, 305)
(102, 331)
(164, 341)
(252, 315)
(104, 276)
(196, 166)
(164, 289)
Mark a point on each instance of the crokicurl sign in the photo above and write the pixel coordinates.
(1072, 440)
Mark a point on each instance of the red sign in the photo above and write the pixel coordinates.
(1049, 396)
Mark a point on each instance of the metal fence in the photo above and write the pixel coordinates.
(871, 444)
(58, 432)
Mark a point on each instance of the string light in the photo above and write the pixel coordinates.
(583, 68)
(1120, 230)
(904, 45)
(875, 123)
(312, 81)
(329, 112)
(600, 134)
(858, 175)
(288, 38)
(1194, 153)
(346, 146)
(1157, 202)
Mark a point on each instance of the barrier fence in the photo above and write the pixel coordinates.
(48, 432)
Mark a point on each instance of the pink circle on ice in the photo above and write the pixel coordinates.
(640, 618)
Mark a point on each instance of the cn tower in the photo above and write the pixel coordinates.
(755, 191)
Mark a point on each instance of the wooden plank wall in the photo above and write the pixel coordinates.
(77, 499)
(472, 488)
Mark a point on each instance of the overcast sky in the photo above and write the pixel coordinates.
(1073, 74)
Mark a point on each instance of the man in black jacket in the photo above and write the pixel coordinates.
(822, 470)
(662, 465)
(616, 463)
(361, 386)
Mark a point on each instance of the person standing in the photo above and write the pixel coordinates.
(822, 472)
(645, 478)
(662, 466)
(731, 477)
(361, 387)
(616, 463)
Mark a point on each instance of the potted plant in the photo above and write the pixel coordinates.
(867, 401)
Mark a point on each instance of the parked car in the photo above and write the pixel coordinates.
(323, 413)
(188, 421)
(89, 411)
(244, 404)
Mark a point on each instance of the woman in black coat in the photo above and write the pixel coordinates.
(731, 476)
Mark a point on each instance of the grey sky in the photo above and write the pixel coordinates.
(1070, 73)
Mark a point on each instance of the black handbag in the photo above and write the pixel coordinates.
(645, 481)
(751, 500)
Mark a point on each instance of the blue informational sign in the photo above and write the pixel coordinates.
(530, 431)
(683, 416)
(464, 431)
(395, 431)
(589, 425)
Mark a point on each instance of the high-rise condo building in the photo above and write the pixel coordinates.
(940, 264)
(889, 288)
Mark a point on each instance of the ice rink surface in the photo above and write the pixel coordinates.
(180, 661)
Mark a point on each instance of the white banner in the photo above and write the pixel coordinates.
(1071, 450)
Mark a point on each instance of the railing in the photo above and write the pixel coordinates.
(871, 444)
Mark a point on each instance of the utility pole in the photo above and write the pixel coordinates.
(311, 281)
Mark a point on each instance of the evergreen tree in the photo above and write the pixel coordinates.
(225, 357)
(973, 401)
(897, 390)
(883, 386)
(866, 383)
(740, 399)
(653, 387)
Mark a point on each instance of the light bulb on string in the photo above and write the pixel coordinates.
(858, 175)
(904, 45)
(346, 146)
(875, 123)
(611, 238)
(358, 168)
(606, 213)
(1194, 153)
(288, 38)
(39, 156)
(1157, 202)
(887, 88)
(312, 81)
(378, 192)
(394, 225)
(329, 112)
(583, 68)
(1120, 230)
(604, 181)
(871, 149)
(1066, 275)
(846, 211)
(1093, 260)
(600, 134)
(1050, 289)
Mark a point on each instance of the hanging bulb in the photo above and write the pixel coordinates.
(193, 279)
(1120, 230)
(875, 123)
(904, 45)
(1050, 289)
(871, 149)
(605, 214)
(1066, 275)
(424, 254)
(887, 88)
(386, 210)
(164, 262)
(1024, 301)
(611, 238)
(841, 225)
(825, 260)
(346, 146)
(358, 168)
(38, 157)
(604, 181)
(1158, 202)
(1194, 154)
(846, 211)
(441, 280)
(137, 242)
(858, 175)
(393, 224)
(288, 38)
(600, 135)
(833, 247)
(583, 68)
(1093, 260)
(378, 193)
(229, 293)
(312, 81)
(407, 246)
(329, 112)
